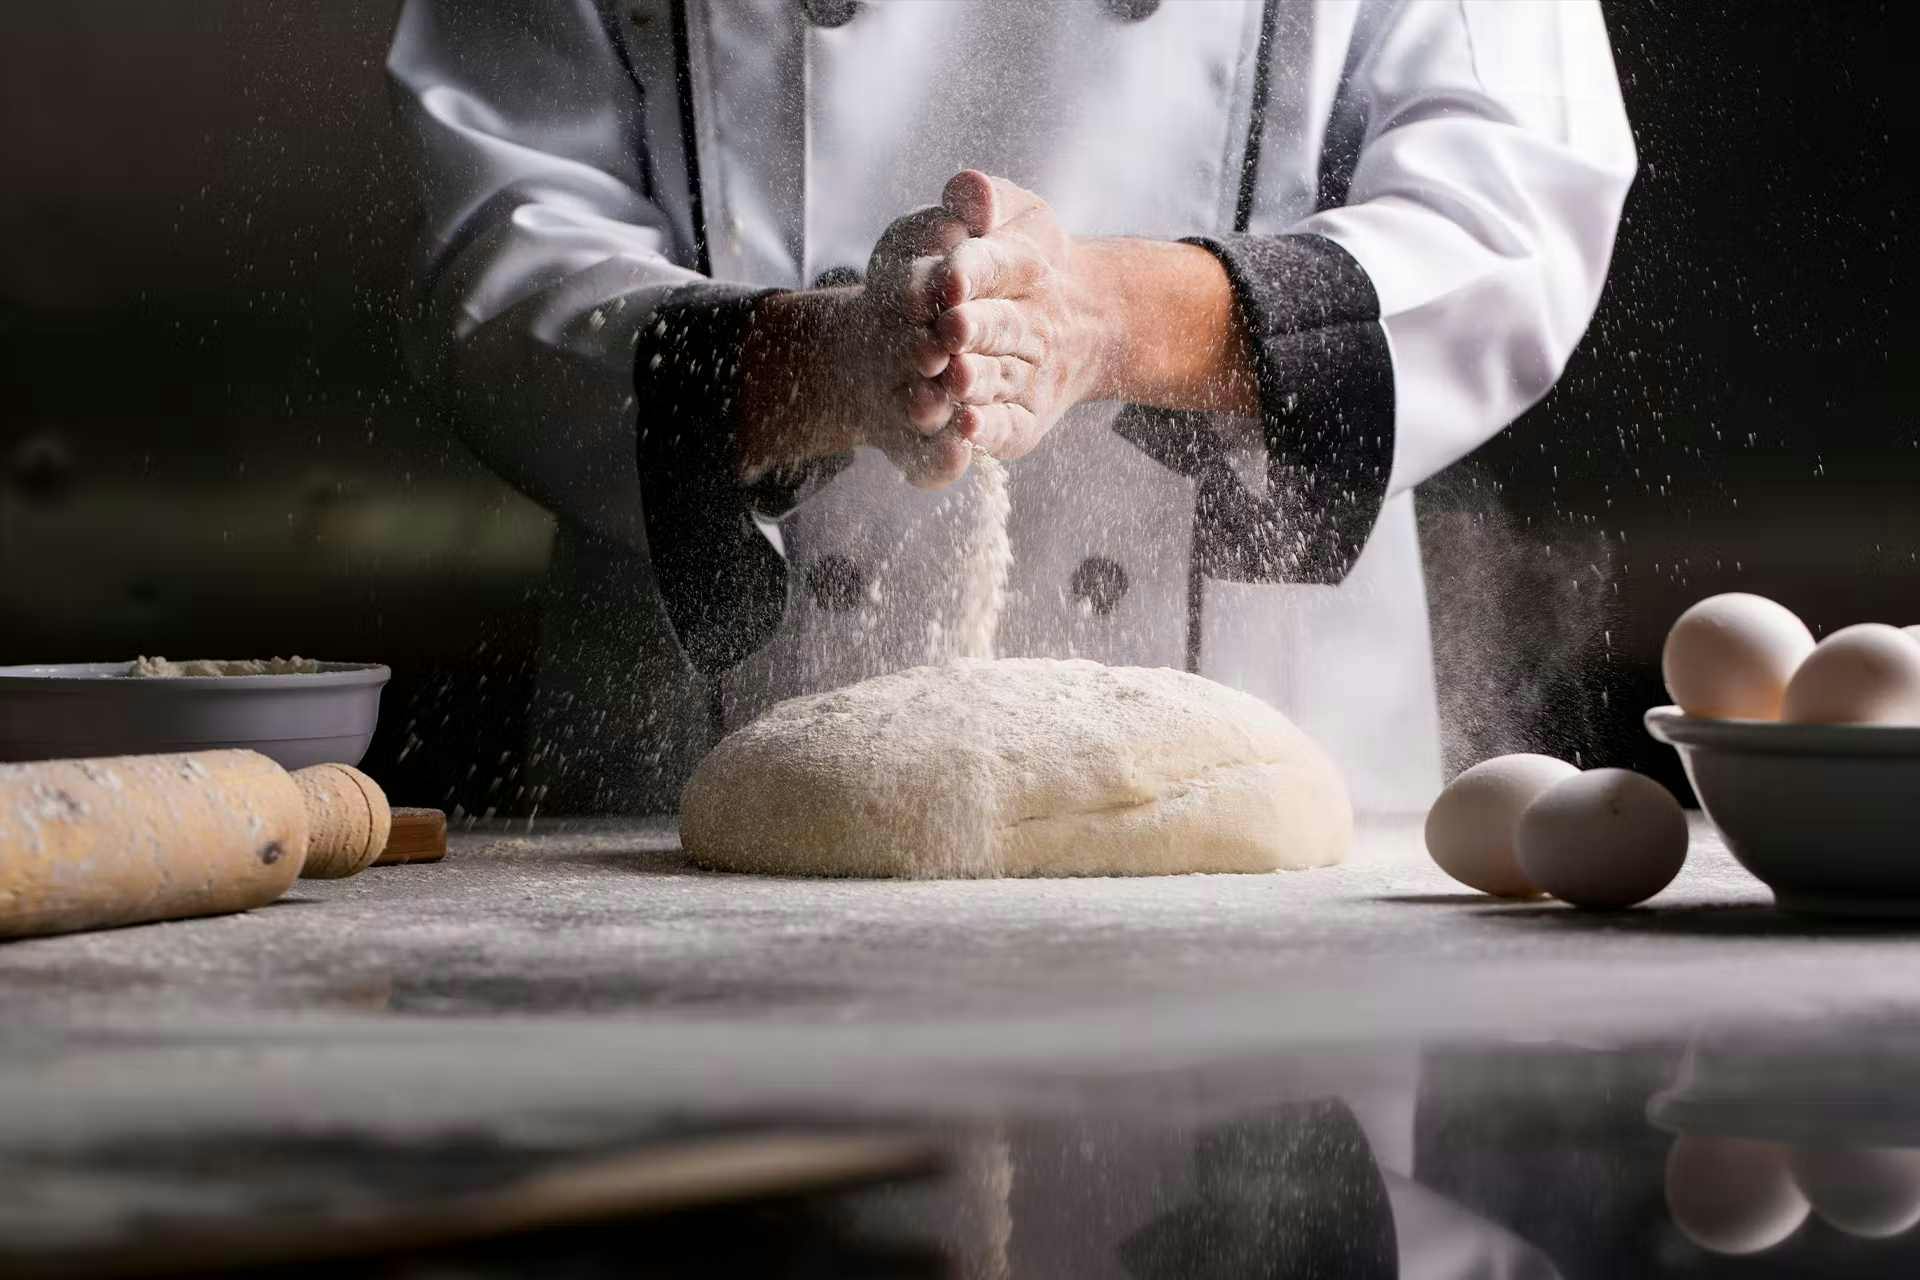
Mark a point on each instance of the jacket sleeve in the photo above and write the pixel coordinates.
(1478, 159)
(564, 322)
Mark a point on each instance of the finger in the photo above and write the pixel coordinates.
(1003, 430)
(983, 203)
(987, 268)
(919, 301)
(972, 379)
(929, 407)
(1039, 228)
(934, 462)
(988, 326)
(929, 355)
(927, 231)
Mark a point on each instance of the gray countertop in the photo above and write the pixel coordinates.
(600, 934)
(580, 983)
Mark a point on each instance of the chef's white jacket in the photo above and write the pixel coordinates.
(1415, 201)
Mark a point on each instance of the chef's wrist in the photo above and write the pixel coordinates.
(792, 406)
(1173, 338)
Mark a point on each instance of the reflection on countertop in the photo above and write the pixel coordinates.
(1354, 1071)
(1437, 1162)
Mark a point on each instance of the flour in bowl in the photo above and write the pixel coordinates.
(161, 668)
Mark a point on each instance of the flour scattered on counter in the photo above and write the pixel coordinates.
(160, 668)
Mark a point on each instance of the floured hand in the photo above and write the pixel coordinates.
(895, 327)
(1027, 318)
(825, 370)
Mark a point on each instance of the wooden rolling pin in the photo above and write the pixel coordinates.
(88, 844)
(347, 820)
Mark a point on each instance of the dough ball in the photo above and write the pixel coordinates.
(1018, 767)
(1605, 839)
(1730, 657)
(1470, 827)
(1863, 674)
(1864, 1191)
(1732, 1195)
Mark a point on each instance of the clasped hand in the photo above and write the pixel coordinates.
(986, 326)
(980, 323)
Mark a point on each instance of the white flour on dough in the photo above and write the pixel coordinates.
(1018, 767)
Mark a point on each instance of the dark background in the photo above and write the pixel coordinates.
(209, 445)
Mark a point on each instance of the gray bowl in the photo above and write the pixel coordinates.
(1823, 813)
(65, 710)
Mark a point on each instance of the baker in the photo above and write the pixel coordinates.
(1245, 274)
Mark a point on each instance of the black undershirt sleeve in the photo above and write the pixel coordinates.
(1325, 380)
(723, 583)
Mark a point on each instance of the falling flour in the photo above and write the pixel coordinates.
(985, 563)
(160, 668)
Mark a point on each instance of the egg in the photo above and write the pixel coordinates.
(1864, 674)
(1864, 1191)
(1732, 1195)
(1603, 839)
(1470, 827)
(1730, 657)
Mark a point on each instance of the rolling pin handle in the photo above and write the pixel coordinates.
(348, 820)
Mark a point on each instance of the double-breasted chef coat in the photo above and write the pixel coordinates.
(1415, 201)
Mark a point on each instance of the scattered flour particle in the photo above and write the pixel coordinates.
(986, 562)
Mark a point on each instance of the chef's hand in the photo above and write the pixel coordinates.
(1037, 321)
(824, 370)
(1028, 322)
(893, 332)
(1027, 317)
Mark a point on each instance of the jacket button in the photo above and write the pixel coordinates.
(830, 13)
(1099, 584)
(1132, 10)
(837, 583)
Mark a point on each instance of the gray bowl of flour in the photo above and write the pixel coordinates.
(295, 711)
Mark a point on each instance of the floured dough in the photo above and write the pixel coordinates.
(1018, 767)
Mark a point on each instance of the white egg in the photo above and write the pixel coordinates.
(1604, 839)
(1864, 1191)
(1864, 674)
(1730, 657)
(1470, 827)
(1732, 1195)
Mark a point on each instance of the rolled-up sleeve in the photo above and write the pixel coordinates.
(1325, 381)
(1483, 205)
(561, 318)
(1400, 329)
(542, 255)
